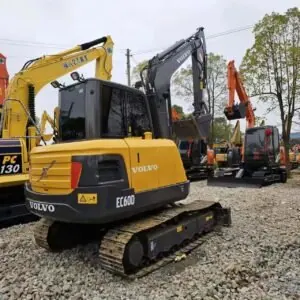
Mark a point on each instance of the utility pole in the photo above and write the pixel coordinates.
(128, 66)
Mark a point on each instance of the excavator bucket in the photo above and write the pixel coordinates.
(194, 128)
(233, 182)
(235, 112)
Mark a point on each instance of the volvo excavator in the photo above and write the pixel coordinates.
(115, 172)
(261, 152)
(19, 132)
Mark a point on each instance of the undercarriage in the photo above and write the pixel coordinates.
(143, 244)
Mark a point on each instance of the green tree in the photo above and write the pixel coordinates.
(179, 110)
(271, 67)
(135, 74)
(259, 121)
(223, 129)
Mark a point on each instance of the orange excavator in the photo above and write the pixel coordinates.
(4, 78)
(261, 155)
(175, 115)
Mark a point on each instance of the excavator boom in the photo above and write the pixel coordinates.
(157, 85)
(244, 108)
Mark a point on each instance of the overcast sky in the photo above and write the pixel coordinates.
(144, 27)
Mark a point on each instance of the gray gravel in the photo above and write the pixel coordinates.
(257, 258)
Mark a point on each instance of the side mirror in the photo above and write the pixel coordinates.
(75, 76)
(55, 84)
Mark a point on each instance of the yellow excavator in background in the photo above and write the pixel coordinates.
(19, 132)
(53, 123)
(223, 150)
(116, 170)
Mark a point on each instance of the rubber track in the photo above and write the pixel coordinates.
(114, 242)
(40, 233)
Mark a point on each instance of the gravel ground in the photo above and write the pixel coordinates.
(257, 258)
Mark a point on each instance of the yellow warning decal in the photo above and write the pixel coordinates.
(208, 218)
(179, 228)
(87, 198)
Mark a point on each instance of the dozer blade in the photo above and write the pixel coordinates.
(194, 128)
(233, 182)
(237, 111)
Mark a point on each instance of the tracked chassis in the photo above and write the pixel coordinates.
(144, 244)
(257, 179)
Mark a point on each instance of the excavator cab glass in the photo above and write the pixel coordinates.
(235, 112)
(100, 109)
(261, 146)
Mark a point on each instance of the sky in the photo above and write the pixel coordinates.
(33, 28)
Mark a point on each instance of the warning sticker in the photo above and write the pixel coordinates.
(87, 198)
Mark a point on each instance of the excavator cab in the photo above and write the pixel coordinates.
(235, 112)
(101, 109)
(261, 147)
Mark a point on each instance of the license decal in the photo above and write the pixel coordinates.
(125, 201)
(10, 164)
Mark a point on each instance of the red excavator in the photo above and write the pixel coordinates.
(261, 153)
(4, 78)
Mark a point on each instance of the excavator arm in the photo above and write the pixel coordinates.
(53, 123)
(244, 108)
(19, 110)
(157, 86)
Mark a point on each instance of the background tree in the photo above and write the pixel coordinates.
(179, 110)
(216, 83)
(259, 121)
(223, 129)
(135, 74)
(271, 67)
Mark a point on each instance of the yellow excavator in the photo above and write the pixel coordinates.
(229, 154)
(115, 172)
(19, 132)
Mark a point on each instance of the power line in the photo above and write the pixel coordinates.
(234, 30)
(134, 60)
(31, 43)
(27, 43)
